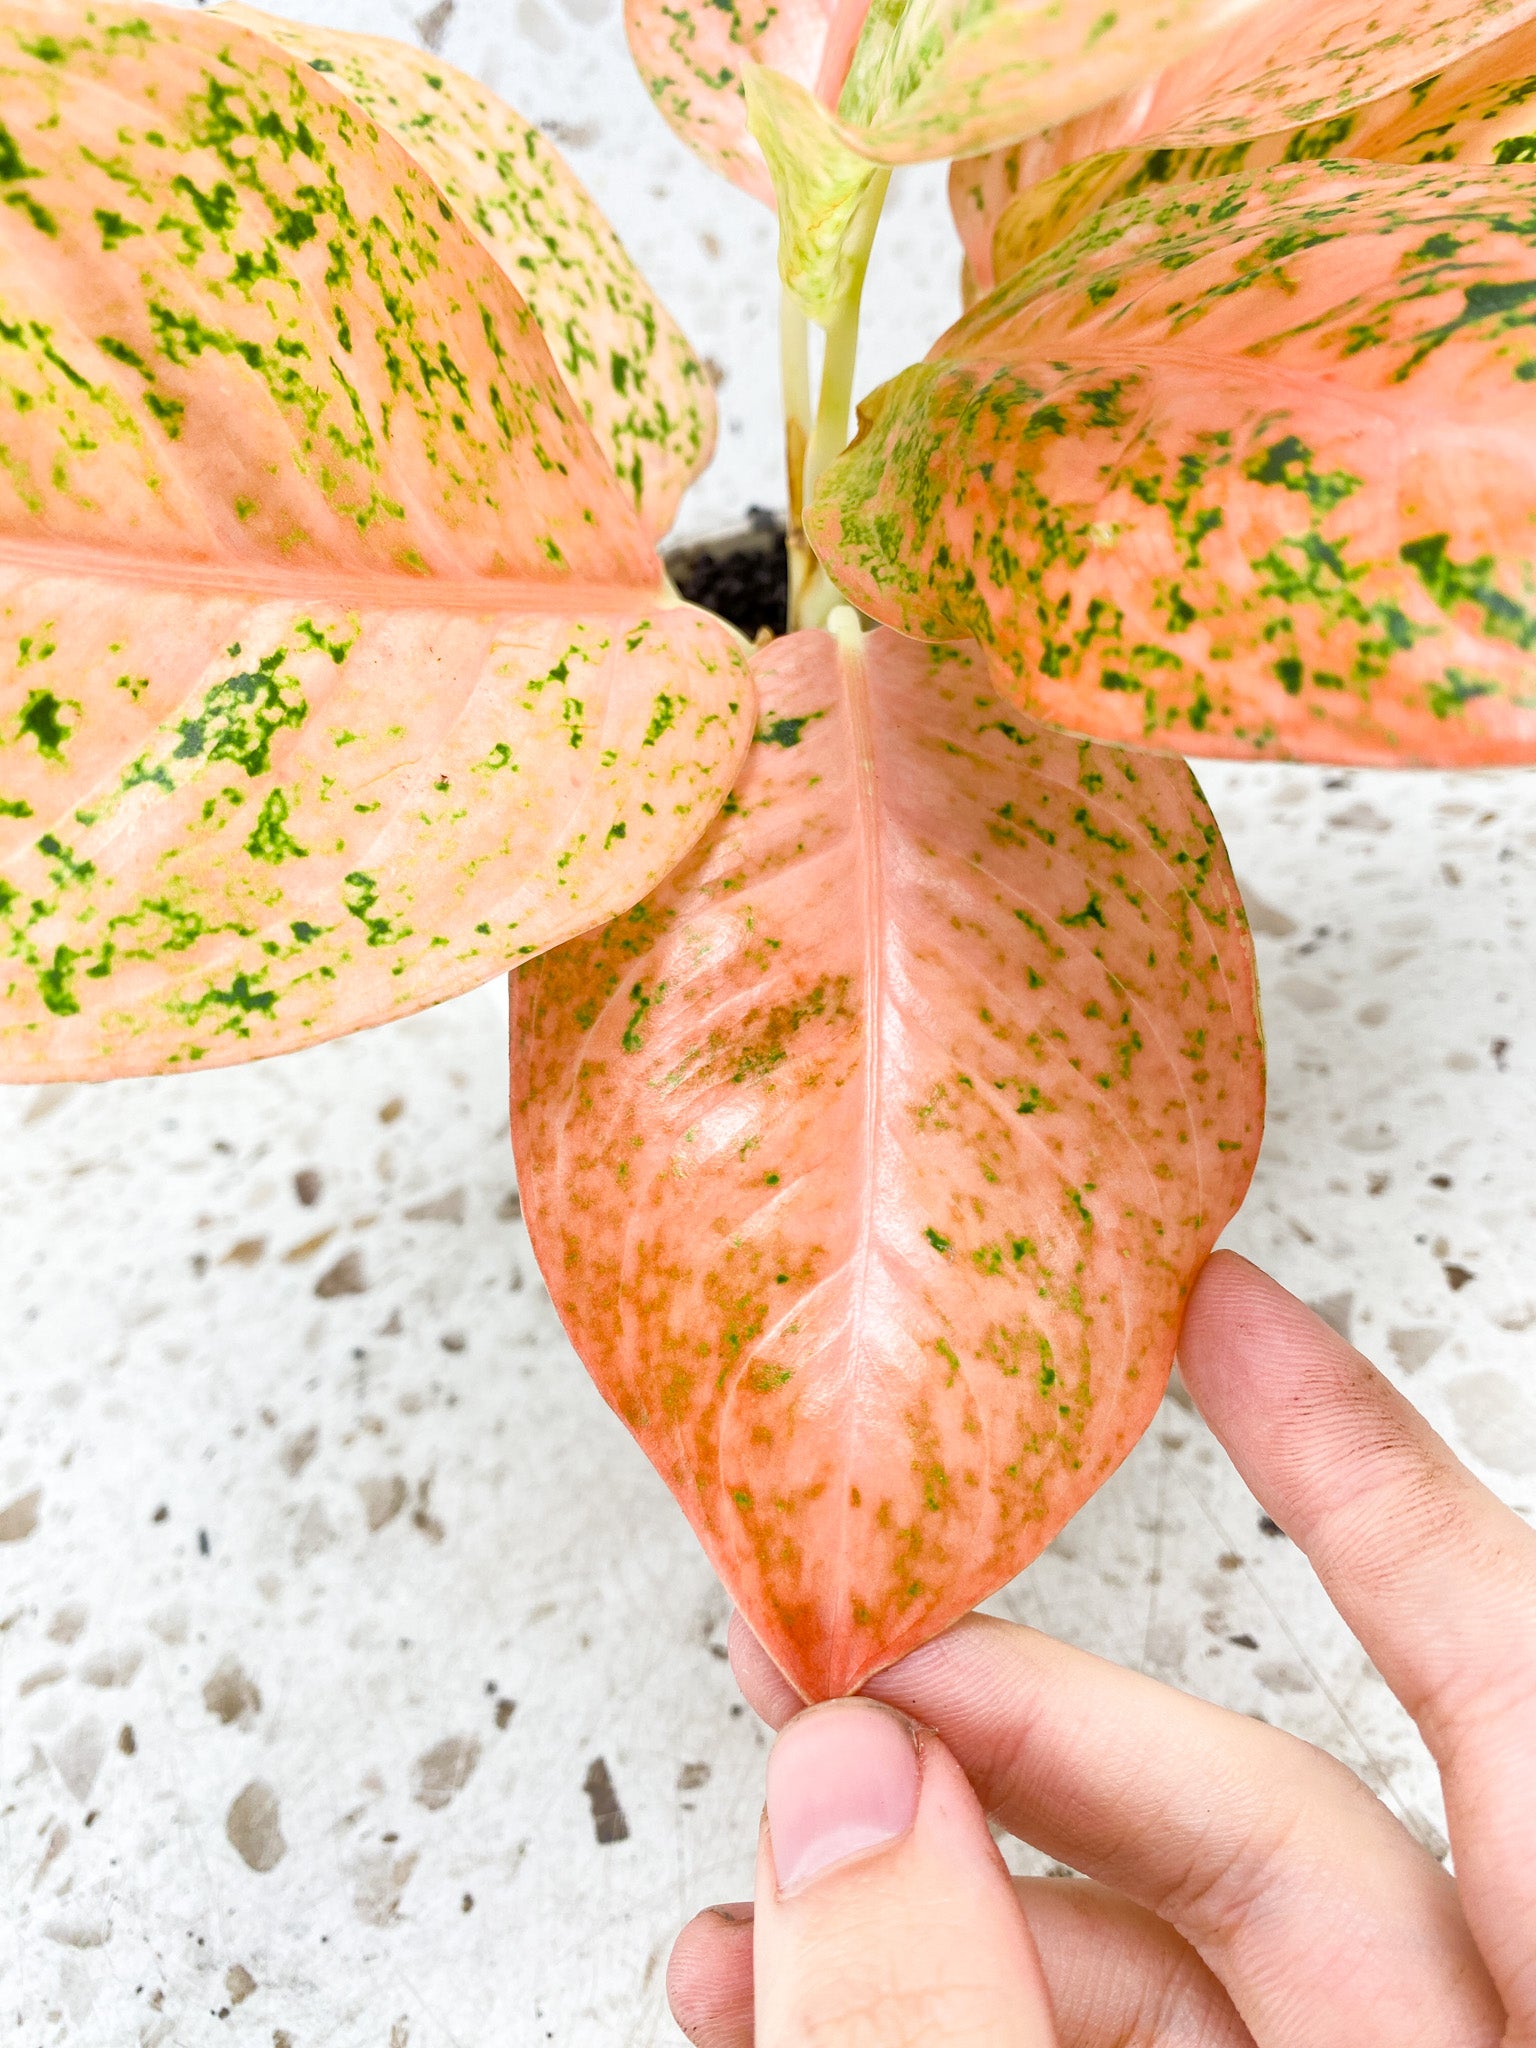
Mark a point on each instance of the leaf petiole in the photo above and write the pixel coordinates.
(810, 447)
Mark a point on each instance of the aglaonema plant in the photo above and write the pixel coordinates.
(885, 1048)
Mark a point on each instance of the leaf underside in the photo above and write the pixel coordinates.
(869, 1159)
(336, 672)
(1240, 468)
(641, 388)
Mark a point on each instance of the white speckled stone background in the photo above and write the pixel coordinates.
(336, 1612)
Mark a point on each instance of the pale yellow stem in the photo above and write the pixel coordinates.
(816, 595)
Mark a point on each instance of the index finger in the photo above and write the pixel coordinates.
(1435, 1576)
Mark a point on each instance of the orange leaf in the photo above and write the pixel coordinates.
(870, 1159)
(1239, 469)
(336, 671)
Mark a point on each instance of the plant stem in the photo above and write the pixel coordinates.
(812, 594)
(830, 437)
(795, 376)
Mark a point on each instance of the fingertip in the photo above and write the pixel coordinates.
(843, 1780)
(1228, 1287)
(881, 1892)
(709, 1977)
(1248, 1349)
(1334, 1452)
(763, 1685)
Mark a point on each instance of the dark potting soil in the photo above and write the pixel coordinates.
(744, 576)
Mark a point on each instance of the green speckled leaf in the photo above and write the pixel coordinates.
(841, 88)
(641, 388)
(1244, 468)
(1429, 80)
(932, 78)
(694, 54)
(870, 1159)
(904, 81)
(336, 671)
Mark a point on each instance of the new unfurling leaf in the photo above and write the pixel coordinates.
(336, 671)
(1240, 468)
(869, 1159)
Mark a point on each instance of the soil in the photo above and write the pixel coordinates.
(744, 576)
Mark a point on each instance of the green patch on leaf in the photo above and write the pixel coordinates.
(1289, 463)
(270, 840)
(55, 984)
(663, 712)
(360, 894)
(239, 717)
(42, 720)
(783, 732)
(1452, 583)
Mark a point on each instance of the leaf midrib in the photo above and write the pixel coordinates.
(232, 577)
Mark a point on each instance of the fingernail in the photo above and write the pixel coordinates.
(735, 1912)
(843, 1779)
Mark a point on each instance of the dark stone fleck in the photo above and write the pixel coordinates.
(608, 1822)
(345, 1277)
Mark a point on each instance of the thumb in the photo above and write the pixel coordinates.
(884, 1912)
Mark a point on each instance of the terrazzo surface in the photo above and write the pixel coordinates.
(360, 1686)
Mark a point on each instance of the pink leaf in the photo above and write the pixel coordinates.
(640, 387)
(691, 55)
(336, 671)
(1238, 469)
(870, 1159)
(1285, 83)
(906, 83)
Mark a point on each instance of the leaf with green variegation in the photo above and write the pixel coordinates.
(1326, 79)
(641, 388)
(884, 84)
(1247, 468)
(870, 1159)
(693, 56)
(336, 672)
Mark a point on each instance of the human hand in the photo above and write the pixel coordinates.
(1245, 1890)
